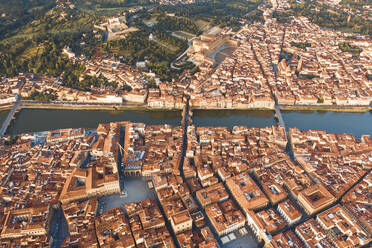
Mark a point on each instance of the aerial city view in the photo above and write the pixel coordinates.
(186, 123)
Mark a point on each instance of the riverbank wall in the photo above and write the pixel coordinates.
(335, 108)
(92, 107)
(326, 108)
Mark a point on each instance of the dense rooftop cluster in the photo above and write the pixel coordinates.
(302, 189)
(27, 85)
(50, 170)
(336, 160)
(152, 149)
(332, 228)
(9, 90)
(124, 75)
(231, 179)
(318, 71)
(237, 83)
(357, 202)
(297, 63)
(148, 224)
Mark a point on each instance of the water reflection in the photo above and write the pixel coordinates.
(333, 122)
(3, 115)
(34, 120)
(230, 118)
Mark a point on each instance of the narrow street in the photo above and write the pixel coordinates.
(240, 241)
(184, 145)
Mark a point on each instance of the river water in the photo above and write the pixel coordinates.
(332, 122)
(36, 120)
(231, 118)
(3, 115)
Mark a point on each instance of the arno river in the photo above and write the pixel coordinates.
(34, 120)
(3, 115)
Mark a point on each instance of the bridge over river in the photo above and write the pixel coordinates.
(10, 116)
